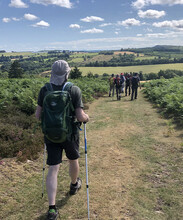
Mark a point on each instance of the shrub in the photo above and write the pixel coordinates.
(75, 73)
(167, 94)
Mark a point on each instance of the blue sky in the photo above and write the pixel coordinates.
(33, 25)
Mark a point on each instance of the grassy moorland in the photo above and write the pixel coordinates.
(135, 169)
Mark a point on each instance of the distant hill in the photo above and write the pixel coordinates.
(159, 48)
(168, 48)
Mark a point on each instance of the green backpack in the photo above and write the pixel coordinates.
(57, 115)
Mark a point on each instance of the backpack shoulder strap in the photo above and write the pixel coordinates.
(49, 87)
(67, 86)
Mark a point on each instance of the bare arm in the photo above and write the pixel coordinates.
(81, 115)
(38, 112)
(139, 84)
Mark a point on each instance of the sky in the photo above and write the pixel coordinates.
(34, 25)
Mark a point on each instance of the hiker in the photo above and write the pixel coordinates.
(135, 84)
(111, 85)
(59, 75)
(128, 84)
(117, 82)
(122, 77)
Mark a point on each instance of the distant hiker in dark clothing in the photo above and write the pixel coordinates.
(128, 84)
(122, 77)
(135, 85)
(59, 76)
(111, 85)
(118, 85)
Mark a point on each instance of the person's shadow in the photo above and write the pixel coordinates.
(61, 203)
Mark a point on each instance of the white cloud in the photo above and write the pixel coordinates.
(156, 35)
(74, 26)
(151, 14)
(30, 17)
(142, 3)
(18, 4)
(163, 24)
(167, 35)
(6, 20)
(177, 24)
(61, 3)
(91, 19)
(129, 22)
(92, 31)
(105, 24)
(116, 32)
(16, 19)
(139, 4)
(149, 30)
(139, 35)
(100, 43)
(41, 24)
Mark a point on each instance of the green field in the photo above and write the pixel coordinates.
(119, 69)
(145, 57)
(74, 55)
(77, 60)
(24, 54)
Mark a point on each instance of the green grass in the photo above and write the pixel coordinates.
(24, 54)
(157, 194)
(77, 60)
(145, 57)
(144, 68)
(76, 55)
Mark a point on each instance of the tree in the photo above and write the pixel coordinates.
(75, 73)
(15, 70)
(90, 75)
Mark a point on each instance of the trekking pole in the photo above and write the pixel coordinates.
(87, 187)
(43, 169)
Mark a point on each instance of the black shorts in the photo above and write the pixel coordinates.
(54, 151)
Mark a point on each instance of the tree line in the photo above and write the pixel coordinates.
(130, 60)
(32, 65)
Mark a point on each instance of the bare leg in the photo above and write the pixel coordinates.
(51, 183)
(73, 170)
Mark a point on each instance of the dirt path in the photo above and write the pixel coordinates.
(113, 169)
(126, 141)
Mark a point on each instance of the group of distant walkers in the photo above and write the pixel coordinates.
(127, 82)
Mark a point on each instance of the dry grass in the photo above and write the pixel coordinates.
(100, 58)
(123, 52)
